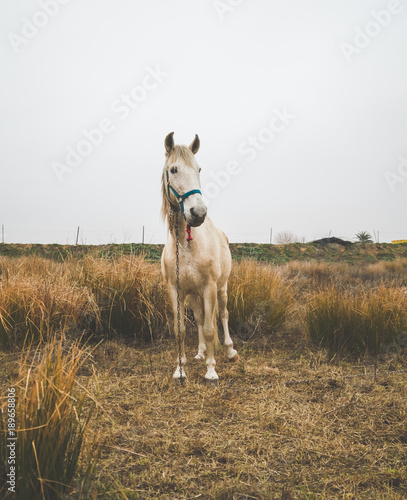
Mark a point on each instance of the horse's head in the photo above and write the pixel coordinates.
(181, 182)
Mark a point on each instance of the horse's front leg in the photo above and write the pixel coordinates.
(197, 306)
(180, 336)
(210, 330)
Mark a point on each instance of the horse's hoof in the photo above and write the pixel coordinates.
(211, 382)
(199, 356)
(235, 358)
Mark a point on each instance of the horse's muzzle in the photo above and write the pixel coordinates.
(196, 221)
(196, 216)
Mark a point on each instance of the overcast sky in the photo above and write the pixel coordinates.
(301, 108)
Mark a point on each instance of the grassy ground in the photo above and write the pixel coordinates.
(288, 421)
(60, 253)
(256, 435)
(253, 436)
(276, 254)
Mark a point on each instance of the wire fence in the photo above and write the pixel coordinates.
(84, 236)
(92, 236)
(152, 235)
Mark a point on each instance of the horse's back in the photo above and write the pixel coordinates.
(224, 241)
(225, 258)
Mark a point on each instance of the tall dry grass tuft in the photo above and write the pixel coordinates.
(259, 298)
(314, 275)
(25, 267)
(52, 415)
(124, 294)
(387, 271)
(34, 305)
(322, 275)
(129, 292)
(356, 321)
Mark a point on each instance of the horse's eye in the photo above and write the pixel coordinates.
(199, 169)
(173, 170)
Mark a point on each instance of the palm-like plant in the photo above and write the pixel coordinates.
(364, 237)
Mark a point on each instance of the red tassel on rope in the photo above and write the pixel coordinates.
(188, 231)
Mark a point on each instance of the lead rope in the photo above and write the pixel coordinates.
(174, 221)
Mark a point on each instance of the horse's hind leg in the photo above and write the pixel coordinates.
(224, 316)
(197, 306)
(173, 298)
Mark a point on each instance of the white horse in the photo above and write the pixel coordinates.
(204, 265)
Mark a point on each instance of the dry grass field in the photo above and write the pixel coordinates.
(253, 436)
(315, 408)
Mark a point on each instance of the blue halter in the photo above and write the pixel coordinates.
(180, 197)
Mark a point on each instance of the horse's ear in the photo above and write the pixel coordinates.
(169, 143)
(194, 146)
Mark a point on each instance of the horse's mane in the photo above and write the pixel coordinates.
(179, 153)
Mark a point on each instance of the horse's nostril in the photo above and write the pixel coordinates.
(198, 214)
